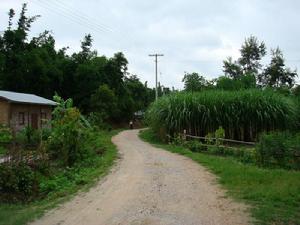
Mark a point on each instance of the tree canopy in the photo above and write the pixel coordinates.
(94, 82)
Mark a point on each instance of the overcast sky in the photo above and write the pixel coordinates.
(194, 35)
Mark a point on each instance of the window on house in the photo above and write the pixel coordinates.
(43, 117)
(21, 118)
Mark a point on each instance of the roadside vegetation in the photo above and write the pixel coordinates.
(251, 102)
(243, 126)
(273, 194)
(48, 166)
(244, 114)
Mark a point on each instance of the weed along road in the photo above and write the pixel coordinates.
(150, 186)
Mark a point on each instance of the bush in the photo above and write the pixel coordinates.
(243, 114)
(28, 136)
(5, 134)
(18, 182)
(279, 149)
(70, 132)
(195, 146)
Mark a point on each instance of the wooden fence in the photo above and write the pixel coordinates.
(221, 139)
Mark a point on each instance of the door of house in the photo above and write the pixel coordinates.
(34, 120)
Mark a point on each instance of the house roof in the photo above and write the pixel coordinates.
(25, 98)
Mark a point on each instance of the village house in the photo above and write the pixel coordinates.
(19, 110)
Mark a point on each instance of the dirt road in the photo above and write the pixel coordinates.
(150, 186)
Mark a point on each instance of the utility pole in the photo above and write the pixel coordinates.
(156, 56)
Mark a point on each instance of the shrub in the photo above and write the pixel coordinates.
(279, 149)
(70, 132)
(18, 182)
(195, 146)
(28, 136)
(219, 134)
(243, 114)
(5, 134)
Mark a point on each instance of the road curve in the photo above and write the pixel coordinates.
(150, 186)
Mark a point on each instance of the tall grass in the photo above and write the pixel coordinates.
(243, 114)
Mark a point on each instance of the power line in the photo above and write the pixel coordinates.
(156, 56)
(82, 16)
(70, 18)
(79, 18)
(115, 29)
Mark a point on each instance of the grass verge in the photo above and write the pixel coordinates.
(19, 214)
(274, 194)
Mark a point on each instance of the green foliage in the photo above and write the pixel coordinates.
(34, 65)
(219, 134)
(273, 194)
(279, 149)
(18, 182)
(5, 134)
(195, 146)
(60, 184)
(69, 129)
(252, 51)
(28, 136)
(104, 103)
(209, 139)
(276, 74)
(243, 114)
(246, 81)
(194, 82)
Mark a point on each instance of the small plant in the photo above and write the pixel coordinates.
(177, 140)
(219, 134)
(28, 136)
(5, 134)
(209, 139)
(196, 146)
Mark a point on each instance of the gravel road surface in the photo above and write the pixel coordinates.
(150, 186)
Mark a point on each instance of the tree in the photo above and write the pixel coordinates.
(194, 82)
(138, 92)
(252, 51)
(104, 102)
(276, 74)
(32, 64)
(232, 69)
(246, 81)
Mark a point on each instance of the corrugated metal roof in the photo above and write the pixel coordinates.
(25, 98)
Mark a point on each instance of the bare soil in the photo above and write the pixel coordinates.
(150, 186)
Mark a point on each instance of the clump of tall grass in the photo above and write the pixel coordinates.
(243, 114)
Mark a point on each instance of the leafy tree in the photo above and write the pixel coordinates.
(276, 74)
(252, 51)
(232, 69)
(138, 92)
(34, 65)
(194, 82)
(104, 102)
(246, 81)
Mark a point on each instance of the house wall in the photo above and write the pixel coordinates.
(4, 111)
(28, 110)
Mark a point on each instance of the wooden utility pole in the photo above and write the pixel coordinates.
(156, 56)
